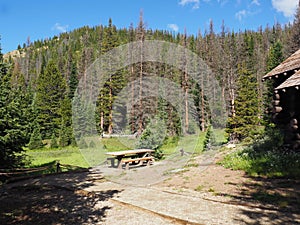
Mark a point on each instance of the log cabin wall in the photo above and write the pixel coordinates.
(286, 98)
(286, 114)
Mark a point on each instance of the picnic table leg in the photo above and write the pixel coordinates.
(112, 162)
(119, 162)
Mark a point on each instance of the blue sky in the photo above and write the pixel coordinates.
(20, 19)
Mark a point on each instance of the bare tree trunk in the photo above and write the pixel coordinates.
(140, 122)
(141, 38)
(202, 107)
(110, 117)
(132, 112)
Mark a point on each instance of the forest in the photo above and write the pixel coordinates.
(39, 82)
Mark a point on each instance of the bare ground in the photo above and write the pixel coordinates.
(202, 193)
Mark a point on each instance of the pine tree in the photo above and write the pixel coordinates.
(274, 58)
(294, 41)
(14, 127)
(53, 142)
(246, 120)
(36, 137)
(50, 91)
(112, 85)
(66, 136)
(73, 81)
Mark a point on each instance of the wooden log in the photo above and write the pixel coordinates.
(296, 145)
(294, 121)
(277, 109)
(294, 127)
(276, 102)
(297, 136)
(275, 115)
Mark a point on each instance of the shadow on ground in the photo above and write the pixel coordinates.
(278, 201)
(57, 199)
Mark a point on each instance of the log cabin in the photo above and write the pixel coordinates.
(286, 98)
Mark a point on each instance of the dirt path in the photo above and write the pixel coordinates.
(201, 193)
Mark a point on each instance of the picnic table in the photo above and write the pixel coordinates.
(135, 156)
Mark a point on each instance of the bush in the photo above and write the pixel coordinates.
(53, 143)
(82, 144)
(209, 138)
(92, 144)
(153, 136)
(36, 141)
(271, 163)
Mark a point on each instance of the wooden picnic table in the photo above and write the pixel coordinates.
(131, 156)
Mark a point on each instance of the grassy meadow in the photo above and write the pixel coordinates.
(94, 155)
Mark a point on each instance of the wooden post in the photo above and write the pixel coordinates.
(58, 168)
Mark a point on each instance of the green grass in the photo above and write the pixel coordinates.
(220, 136)
(92, 156)
(199, 188)
(118, 144)
(190, 143)
(79, 157)
(269, 163)
(68, 155)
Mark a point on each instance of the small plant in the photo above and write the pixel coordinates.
(199, 188)
(191, 165)
(212, 190)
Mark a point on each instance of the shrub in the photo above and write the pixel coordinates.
(36, 141)
(92, 144)
(153, 136)
(82, 144)
(53, 143)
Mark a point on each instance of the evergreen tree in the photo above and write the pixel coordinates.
(50, 91)
(294, 41)
(275, 57)
(114, 82)
(73, 81)
(53, 142)
(246, 120)
(153, 136)
(66, 136)
(36, 137)
(14, 127)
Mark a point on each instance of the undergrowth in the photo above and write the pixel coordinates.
(265, 157)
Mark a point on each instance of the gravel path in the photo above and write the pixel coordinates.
(140, 205)
(88, 198)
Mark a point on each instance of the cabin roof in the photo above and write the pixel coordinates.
(291, 63)
(292, 81)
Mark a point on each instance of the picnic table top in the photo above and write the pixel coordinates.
(129, 152)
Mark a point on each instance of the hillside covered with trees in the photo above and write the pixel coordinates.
(39, 81)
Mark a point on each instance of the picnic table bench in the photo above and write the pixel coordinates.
(134, 157)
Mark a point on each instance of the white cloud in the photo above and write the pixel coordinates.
(194, 2)
(223, 2)
(255, 2)
(241, 14)
(173, 26)
(59, 27)
(287, 7)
